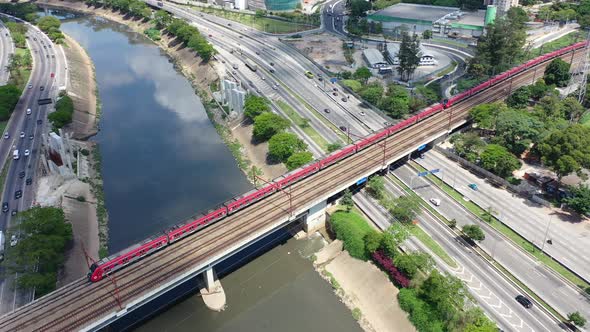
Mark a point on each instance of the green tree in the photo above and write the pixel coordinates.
(351, 228)
(496, 159)
(266, 125)
(577, 319)
(391, 239)
(410, 263)
(567, 151)
(408, 55)
(162, 19)
(446, 294)
(539, 89)
(519, 98)
(359, 8)
(485, 115)
(502, 46)
(372, 93)
(281, 146)
(474, 232)
(477, 321)
(253, 174)
(372, 241)
(405, 208)
(468, 145)
(376, 187)
(572, 108)
(362, 74)
(579, 200)
(347, 200)
(557, 72)
(517, 129)
(48, 23)
(427, 34)
(334, 146)
(64, 111)
(9, 96)
(298, 159)
(255, 105)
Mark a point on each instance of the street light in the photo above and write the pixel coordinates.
(546, 233)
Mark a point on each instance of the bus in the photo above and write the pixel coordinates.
(308, 74)
(251, 65)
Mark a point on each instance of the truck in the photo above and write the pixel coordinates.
(15, 155)
(253, 67)
(160, 4)
(1, 246)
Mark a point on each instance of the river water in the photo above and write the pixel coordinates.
(163, 161)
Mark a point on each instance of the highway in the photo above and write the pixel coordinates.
(571, 243)
(545, 283)
(6, 49)
(81, 303)
(44, 64)
(493, 292)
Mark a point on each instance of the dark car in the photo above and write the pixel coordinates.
(29, 181)
(39, 121)
(327, 110)
(31, 136)
(14, 212)
(524, 301)
(271, 70)
(18, 194)
(342, 128)
(272, 63)
(42, 88)
(21, 174)
(5, 207)
(344, 99)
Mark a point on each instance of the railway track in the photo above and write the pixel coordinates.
(78, 304)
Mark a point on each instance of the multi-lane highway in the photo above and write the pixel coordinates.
(18, 192)
(6, 49)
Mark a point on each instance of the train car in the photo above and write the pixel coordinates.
(429, 111)
(119, 260)
(250, 197)
(337, 156)
(199, 222)
(480, 87)
(296, 175)
(372, 139)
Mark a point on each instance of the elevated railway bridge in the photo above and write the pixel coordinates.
(89, 306)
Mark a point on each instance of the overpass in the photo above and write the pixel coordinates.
(87, 306)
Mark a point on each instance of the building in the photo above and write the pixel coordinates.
(241, 4)
(504, 5)
(374, 58)
(419, 18)
(233, 96)
(426, 58)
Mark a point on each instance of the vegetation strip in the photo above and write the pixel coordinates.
(303, 123)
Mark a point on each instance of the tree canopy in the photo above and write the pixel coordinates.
(579, 200)
(298, 159)
(474, 232)
(362, 74)
(408, 55)
(498, 160)
(50, 25)
(558, 73)
(9, 96)
(567, 151)
(267, 124)
(281, 146)
(255, 105)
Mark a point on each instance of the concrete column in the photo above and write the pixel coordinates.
(316, 218)
(209, 279)
(213, 294)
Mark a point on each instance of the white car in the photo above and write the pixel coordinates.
(6, 136)
(30, 86)
(13, 241)
(22, 134)
(27, 153)
(29, 111)
(435, 201)
(362, 113)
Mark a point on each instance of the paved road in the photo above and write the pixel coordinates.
(6, 49)
(571, 238)
(493, 292)
(45, 63)
(333, 17)
(545, 283)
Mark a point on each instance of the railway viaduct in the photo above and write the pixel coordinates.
(87, 306)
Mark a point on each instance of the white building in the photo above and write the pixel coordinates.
(504, 5)
(233, 95)
(241, 4)
(426, 58)
(374, 58)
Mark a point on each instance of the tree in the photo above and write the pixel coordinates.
(474, 232)
(376, 187)
(446, 294)
(298, 159)
(372, 241)
(9, 96)
(485, 115)
(281, 146)
(254, 173)
(347, 200)
(405, 208)
(410, 263)
(362, 74)
(162, 19)
(558, 73)
(517, 129)
(334, 146)
(359, 8)
(396, 104)
(539, 89)
(64, 111)
(496, 159)
(427, 34)
(519, 98)
(567, 151)
(408, 55)
(266, 125)
(577, 319)
(572, 108)
(372, 93)
(48, 23)
(468, 145)
(395, 235)
(255, 105)
(502, 46)
(579, 200)
(453, 223)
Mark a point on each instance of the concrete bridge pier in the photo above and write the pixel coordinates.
(213, 293)
(316, 217)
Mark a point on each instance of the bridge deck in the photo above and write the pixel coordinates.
(81, 303)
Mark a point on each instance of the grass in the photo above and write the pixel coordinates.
(449, 69)
(22, 78)
(302, 123)
(508, 232)
(561, 42)
(4, 173)
(355, 85)
(3, 125)
(263, 24)
(585, 119)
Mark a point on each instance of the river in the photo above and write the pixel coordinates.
(162, 162)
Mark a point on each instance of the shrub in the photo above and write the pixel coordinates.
(421, 315)
(351, 229)
(81, 199)
(398, 278)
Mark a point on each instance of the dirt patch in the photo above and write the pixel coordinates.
(324, 48)
(367, 292)
(256, 153)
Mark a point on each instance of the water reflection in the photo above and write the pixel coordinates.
(162, 159)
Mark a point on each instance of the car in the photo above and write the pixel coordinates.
(234, 72)
(6, 136)
(53, 55)
(35, 39)
(27, 153)
(13, 212)
(18, 194)
(29, 111)
(327, 110)
(343, 128)
(274, 87)
(47, 56)
(29, 181)
(21, 174)
(241, 37)
(30, 86)
(5, 207)
(435, 201)
(49, 45)
(45, 47)
(473, 186)
(524, 301)
(42, 88)
(344, 99)
(335, 89)
(272, 63)
(335, 93)
(257, 53)
(22, 134)
(229, 24)
(31, 136)
(39, 121)
(362, 113)
(52, 75)
(263, 78)
(271, 70)
(222, 61)
(13, 241)
(320, 79)
(210, 35)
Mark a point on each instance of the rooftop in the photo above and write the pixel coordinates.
(373, 56)
(416, 12)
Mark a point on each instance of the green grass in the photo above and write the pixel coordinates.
(3, 125)
(507, 231)
(24, 73)
(421, 235)
(355, 85)
(448, 70)
(263, 24)
(561, 42)
(585, 119)
(302, 123)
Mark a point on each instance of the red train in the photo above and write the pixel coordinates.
(119, 260)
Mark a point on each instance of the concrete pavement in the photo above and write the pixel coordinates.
(552, 289)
